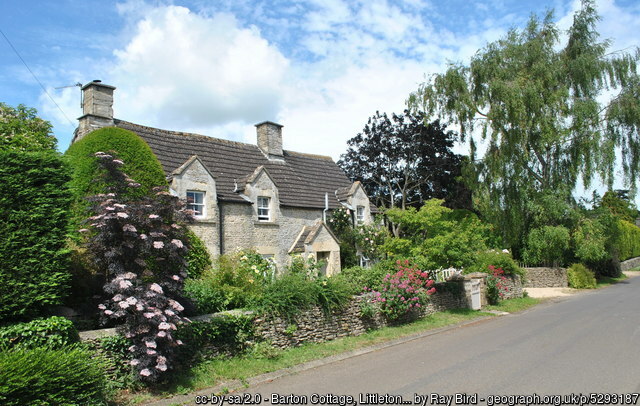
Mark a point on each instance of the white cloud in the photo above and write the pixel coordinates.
(183, 70)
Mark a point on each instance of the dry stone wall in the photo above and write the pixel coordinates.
(630, 264)
(546, 278)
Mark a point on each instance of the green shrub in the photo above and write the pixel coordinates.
(224, 333)
(371, 277)
(581, 277)
(198, 257)
(208, 297)
(54, 332)
(42, 376)
(498, 259)
(590, 241)
(116, 357)
(547, 245)
(34, 202)
(628, 240)
(140, 164)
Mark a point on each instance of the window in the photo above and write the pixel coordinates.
(360, 215)
(195, 202)
(263, 208)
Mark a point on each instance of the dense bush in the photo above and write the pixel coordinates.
(34, 202)
(22, 130)
(590, 241)
(581, 277)
(140, 163)
(436, 236)
(408, 288)
(497, 259)
(224, 333)
(370, 277)
(54, 332)
(141, 245)
(234, 281)
(628, 240)
(42, 376)
(198, 257)
(547, 245)
(291, 293)
(496, 285)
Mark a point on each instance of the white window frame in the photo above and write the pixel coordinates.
(359, 215)
(194, 204)
(263, 205)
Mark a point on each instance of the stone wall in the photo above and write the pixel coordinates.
(546, 278)
(315, 326)
(630, 264)
(514, 286)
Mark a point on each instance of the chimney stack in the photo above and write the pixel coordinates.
(97, 108)
(270, 140)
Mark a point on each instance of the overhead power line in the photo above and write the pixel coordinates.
(36, 78)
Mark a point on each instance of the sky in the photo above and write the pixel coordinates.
(320, 68)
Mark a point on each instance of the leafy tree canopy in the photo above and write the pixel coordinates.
(538, 104)
(401, 162)
(21, 129)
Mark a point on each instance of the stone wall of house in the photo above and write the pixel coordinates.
(630, 264)
(546, 278)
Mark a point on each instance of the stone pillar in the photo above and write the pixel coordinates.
(97, 108)
(270, 139)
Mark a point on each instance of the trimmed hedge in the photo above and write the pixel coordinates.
(54, 332)
(498, 259)
(34, 202)
(42, 376)
(139, 163)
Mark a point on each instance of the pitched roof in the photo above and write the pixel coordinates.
(302, 179)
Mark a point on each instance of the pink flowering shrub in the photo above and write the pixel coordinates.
(409, 288)
(140, 246)
(496, 285)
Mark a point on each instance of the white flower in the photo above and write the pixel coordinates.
(143, 236)
(134, 362)
(145, 372)
(177, 243)
(158, 244)
(179, 342)
(161, 367)
(132, 300)
(102, 307)
(175, 277)
(156, 288)
(108, 312)
(123, 215)
(124, 284)
(123, 304)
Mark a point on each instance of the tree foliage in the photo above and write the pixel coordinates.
(538, 106)
(402, 162)
(23, 130)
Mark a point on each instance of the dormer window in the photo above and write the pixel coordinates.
(195, 202)
(360, 215)
(263, 208)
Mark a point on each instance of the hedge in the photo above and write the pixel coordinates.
(42, 376)
(34, 202)
(139, 163)
(628, 240)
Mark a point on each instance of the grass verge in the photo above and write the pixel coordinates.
(607, 280)
(214, 371)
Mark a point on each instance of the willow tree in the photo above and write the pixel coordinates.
(535, 98)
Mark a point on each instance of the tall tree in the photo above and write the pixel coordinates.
(402, 162)
(23, 130)
(538, 105)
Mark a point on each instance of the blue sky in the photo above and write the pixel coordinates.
(319, 67)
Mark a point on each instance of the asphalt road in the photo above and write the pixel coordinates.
(588, 343)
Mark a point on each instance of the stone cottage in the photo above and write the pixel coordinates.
(245, 196)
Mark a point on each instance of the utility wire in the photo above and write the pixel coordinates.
(36, 78)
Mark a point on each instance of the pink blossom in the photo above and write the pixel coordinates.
(161, 367)
(155, 287)
(134, 362)
(161, 359)
(83, 230)
(123, 304)
(150, 344)
(124, 284)
(145, 372)
(175, 277)
(108, 312)
(153, 216)
(132, 300)
(102, 307)
(129, 227)
(122, 215)
(162, 334)
(158, 244)
(132, 348)
(151, 352)
(177, 243)
(179, 342)
(164, 326)
(148, 315)
(143, 236)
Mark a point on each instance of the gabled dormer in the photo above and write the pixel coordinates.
(262, 191)
(355, 199)
(195, 183)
